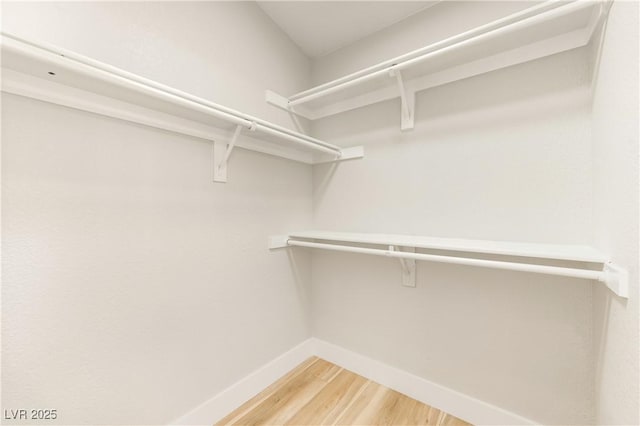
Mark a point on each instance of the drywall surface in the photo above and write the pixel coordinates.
(227, 52)
(445, 19)
(504, 156)
(616, 179)
(134, 287)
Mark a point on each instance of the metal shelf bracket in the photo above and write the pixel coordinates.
(222, 151)
(407, 100)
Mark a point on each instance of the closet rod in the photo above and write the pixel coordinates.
(513, 266)
(511, 23)
(110, 73)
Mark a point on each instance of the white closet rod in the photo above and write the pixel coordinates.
(513, 266)
(510, 23)
(112, 74)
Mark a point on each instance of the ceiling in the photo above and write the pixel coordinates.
(320, 27)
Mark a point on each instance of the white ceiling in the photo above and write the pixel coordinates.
(320, 27)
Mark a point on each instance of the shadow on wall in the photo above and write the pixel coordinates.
(601, 317)
(300, 264)
(324, 180)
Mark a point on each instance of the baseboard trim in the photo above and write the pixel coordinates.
(465, 407)
(455, 403)
(237, 394)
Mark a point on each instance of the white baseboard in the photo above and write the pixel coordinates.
(237, 394)
(455, 403)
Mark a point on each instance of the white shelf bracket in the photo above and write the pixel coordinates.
(277, 100)
(296, 122)
(351, 153)
(407, 100)
(283, 103)
(408, 267)
(278, 242)
(616, 278)
(222, 151)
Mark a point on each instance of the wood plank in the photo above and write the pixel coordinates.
(281, 405)
(320, 393)
(364, 407)
(331, 401)
(253, 402)
(424, 415)
(449, 420)
(404, 412)
(387, 408)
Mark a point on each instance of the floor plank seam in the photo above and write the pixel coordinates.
(353, 401)
(320, 392)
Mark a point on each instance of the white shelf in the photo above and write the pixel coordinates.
(59, 76)
(578, 253)
(542, 30)
(596, 264)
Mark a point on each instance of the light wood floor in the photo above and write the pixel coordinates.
(320, 393)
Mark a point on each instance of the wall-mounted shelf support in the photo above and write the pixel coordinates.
(456, 251)
(222, 152)
(278, 242)
(617, 279)
(52, 74)
(408, 267)
(407, 101)
(542, 30)
(275, 99)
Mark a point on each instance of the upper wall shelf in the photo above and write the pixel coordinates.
(59, 76)
(524, 257)
(545, 29)
(578, 253)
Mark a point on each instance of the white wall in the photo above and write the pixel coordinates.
(227, 52)
(143, 333)
(616, 178)
(504, 156)
(134, 287)
(445, 20)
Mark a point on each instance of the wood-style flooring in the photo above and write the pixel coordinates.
(318, 392)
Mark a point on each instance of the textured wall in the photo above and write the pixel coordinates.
(616, 179)
(227, 52)
(504, 156)
(135, 288)
(444, 20)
